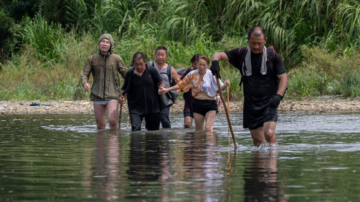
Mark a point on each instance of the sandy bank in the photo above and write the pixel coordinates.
(322, 104)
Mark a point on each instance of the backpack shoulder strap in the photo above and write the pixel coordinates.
(242, 67)
(270, 53)
(241, 58)
(169, 68)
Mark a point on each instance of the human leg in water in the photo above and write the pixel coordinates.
(264, 133)
(112, 109)
(210, 118)
(199, 121)
(188, 121)
(100, 116)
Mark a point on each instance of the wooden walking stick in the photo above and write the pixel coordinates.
(127, 122)
(227, 91)
(226, 110)
(121, 105)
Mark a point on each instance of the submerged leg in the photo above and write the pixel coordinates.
(188, 121)
(199, 121)
(152, 121)
(100, 116)
(164, 118)
(210, 118)
(257, 136)
(136, 120)
(269, 132)
(112, 108)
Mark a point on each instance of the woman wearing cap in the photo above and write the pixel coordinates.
(105, 91)
(204, 89)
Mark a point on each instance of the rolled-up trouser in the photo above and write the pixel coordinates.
(164, 118)
(152, 121)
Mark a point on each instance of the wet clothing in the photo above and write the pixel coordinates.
(142, 91)
(152, 121)
(193, 81)
(188, 98)
(204, 106)
(104, 69)
(258, 88)
(165, 118)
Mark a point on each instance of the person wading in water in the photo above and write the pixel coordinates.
(204, 90)
(265, 82)
(169, 75)
(105, 91)
(188, 98)
(141, 88)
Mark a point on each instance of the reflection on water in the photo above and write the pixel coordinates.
(106, 177)
(63, 157)
(261, 178)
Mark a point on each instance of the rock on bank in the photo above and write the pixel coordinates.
(86, 107)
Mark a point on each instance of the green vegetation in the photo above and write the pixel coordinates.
(44, 44)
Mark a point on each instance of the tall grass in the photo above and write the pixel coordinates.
(317, 39)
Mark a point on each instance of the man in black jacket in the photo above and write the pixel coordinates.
(141, 88)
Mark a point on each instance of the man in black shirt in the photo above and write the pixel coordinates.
(265, 81)
(141, 88)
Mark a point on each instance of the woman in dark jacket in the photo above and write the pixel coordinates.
(105, 67)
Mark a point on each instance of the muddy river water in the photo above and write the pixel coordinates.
(64, 158)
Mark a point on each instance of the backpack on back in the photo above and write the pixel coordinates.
(270, 53)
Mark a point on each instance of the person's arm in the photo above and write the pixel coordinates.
(85, 74)
(283, 84)
(121, 67)
(163, 90)
(174, 75)
(162, 85)
(220, 56)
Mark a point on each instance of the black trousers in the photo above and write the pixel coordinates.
(152, 121)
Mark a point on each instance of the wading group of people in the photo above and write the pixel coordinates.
(263, 78)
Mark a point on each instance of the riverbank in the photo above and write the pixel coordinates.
(320, 104)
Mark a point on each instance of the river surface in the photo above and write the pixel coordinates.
(64, 158)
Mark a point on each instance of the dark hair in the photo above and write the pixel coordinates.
(161, 48)
(138, 56)
(251, 30)
(204, 58)
(195, 57)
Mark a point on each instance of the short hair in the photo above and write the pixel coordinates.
(203, 57)
(138, 56)
(161, 48)
(251, 30)
(195, 57)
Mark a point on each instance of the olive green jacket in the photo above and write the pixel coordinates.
(104, 69)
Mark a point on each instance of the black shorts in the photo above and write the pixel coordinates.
(269, 115)
(204, 106)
